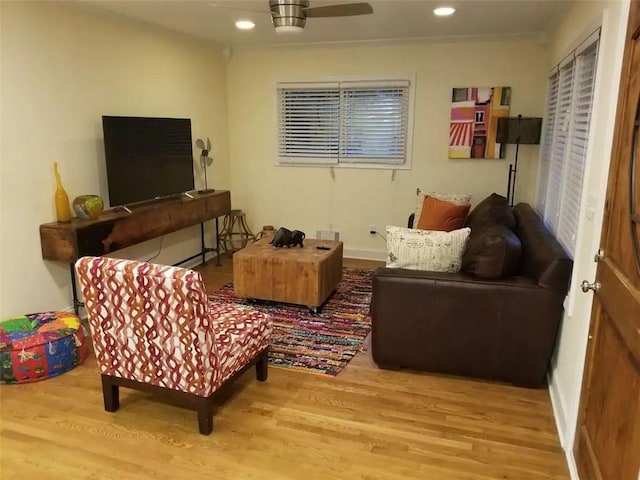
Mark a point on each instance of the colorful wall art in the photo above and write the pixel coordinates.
(474, 121)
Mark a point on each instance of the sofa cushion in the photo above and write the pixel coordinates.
(425, 249)
(543, 258)
(491, 211)
(441, 215)
(457, 198)
(494, 252)
(240, 334)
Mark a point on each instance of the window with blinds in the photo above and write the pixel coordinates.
(547, 138)
(350, 122)
(565, 140)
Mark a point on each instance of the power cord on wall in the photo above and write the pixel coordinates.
(376, 232)
(159, 250)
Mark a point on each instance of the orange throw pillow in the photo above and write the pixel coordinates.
(440, 215)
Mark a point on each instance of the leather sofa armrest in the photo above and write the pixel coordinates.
(459, 324)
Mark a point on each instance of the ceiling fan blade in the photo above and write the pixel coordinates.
(344, 10)
(200, 144)
(208, 144)
(209, 161)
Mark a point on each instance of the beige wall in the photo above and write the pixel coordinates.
(63, 66)
(568, 361)
(310, 198)
(2, 232)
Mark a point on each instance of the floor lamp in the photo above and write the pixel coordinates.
(517, 131)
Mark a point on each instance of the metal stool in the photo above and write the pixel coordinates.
(235, 232)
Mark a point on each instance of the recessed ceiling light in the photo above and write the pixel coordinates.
(245, 24)
(444, 11)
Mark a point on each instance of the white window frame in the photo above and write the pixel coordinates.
(351, 82)
(566, 140)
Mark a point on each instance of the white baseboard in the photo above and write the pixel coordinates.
(365, 254)
(559, 406)
(571, 462)
(194, 262)
(559, 409)
(82, 315)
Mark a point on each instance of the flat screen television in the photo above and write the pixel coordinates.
(147, 158)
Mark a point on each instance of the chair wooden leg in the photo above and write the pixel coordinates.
(261, 366)
(205, 416)
(111, 394)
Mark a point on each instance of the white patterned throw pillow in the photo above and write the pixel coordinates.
(457, 198)
(428, 250)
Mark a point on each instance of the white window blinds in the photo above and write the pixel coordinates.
(547, 138)
(577, 147)
(363, 122)
(559, 146)
(309, 122)
(374, 123)
(565, 141)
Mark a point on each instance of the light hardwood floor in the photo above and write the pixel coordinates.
(363, 424)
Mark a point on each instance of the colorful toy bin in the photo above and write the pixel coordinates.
(37, 346)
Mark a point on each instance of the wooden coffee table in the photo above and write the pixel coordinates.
(304, 276)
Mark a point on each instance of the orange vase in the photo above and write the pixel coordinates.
(63, 212)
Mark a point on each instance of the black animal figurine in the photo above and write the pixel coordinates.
(281, 238)
(296, 238)
(286, 238)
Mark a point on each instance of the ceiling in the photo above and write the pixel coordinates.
(392, 19)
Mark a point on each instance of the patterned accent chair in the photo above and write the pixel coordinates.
(153, 328)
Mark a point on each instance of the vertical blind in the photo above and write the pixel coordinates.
(565, 141)
(344, 122)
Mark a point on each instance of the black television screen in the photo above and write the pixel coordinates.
(147, 158)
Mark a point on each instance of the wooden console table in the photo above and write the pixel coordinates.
(117, 229)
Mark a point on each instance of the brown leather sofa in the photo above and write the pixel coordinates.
(458, 323)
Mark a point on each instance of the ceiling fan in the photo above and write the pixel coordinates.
(291, 15)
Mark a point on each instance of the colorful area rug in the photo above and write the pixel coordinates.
(321, 343)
